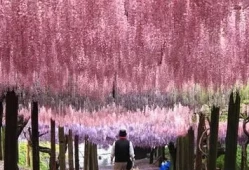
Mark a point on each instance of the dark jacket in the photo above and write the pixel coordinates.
(122, 150)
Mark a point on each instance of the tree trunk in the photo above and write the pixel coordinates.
(35, 137)
(62, 160)
(201, 129)
(53, 149)
(213, 141)
(28, 154)
(1, 124)
(10, 156)
(76, 150)
(232, 132)
(70, 150)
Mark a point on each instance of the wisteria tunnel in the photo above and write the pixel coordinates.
(173, 73)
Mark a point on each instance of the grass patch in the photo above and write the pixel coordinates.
(44, 158)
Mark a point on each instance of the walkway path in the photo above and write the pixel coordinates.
(139, 164)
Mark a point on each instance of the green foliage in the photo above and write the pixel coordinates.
(220, 160)
(44, 158)
(22, 154)
(244, 93)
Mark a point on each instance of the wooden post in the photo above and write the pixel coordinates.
(10, 156)
(87, 157)
(163, 152)
(3, 137)
(213, 141)
(232, 132)
(76, 150)
(28, 154)
(62, 160)
(35, 136)
(179, 154)
(244, 165)
(191, 145)
(90, 153)
(1, 124)
(96, 167)
(53, 149)
(160, 154)
(151, 156)
(70, 150)
(95, 161)
(201, 129)
(173, 152)
(185, 152)
(17, 151)
(243, 157)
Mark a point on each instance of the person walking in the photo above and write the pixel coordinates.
(123, 152)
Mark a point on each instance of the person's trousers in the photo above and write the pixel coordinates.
(120, 165)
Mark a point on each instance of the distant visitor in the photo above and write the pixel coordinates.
(122, 152)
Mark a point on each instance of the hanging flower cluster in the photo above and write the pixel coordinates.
(242, 138)
(85, 48)
(145, 128)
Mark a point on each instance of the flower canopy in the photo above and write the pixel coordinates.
(86, 55)
(88, 48)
